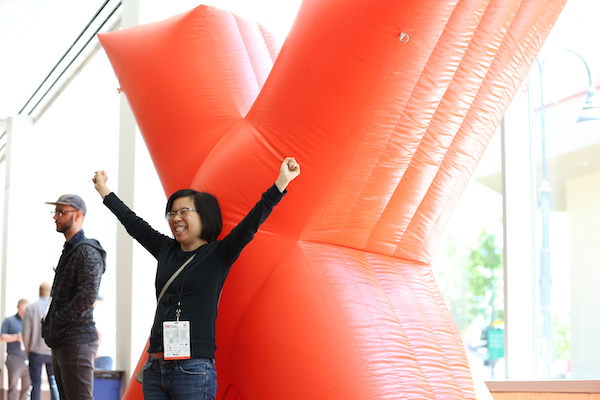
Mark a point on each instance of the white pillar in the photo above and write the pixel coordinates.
(18, 131)
(519, 236)
(126, 317)
(584, 212)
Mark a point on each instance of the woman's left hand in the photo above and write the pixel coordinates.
(288, 171)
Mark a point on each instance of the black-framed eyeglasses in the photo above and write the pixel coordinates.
(60, 213)
(182, 212)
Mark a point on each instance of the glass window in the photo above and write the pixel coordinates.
(469, 266)
(518, 263)
(567, 174)
(552, 170)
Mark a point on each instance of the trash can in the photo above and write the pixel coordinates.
(107, 385)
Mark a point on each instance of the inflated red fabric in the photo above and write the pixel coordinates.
(335, 297)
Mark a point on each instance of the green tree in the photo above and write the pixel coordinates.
(452, 279)
(486, 280)
(561, 337)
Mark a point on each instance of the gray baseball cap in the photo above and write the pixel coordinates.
(70, 200)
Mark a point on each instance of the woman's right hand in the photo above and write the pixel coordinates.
(99, 180)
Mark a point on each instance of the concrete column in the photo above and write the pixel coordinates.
(18, 131)
(584, 213)
(519, 235)
(126, 317)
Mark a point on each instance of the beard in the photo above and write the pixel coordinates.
(63, 227)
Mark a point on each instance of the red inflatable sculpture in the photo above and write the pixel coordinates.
(388, 106)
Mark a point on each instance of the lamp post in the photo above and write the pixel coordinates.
(590, 112)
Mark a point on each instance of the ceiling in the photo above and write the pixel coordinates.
(42, 39)
(42, 42)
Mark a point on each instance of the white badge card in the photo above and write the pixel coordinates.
(176, 336)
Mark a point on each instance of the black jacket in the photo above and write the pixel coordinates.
(70, 318)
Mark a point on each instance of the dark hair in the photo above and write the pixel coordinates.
(207, 207)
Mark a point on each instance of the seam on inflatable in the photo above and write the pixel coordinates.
(246, 47)
(453, 149)
(428, 137)
(409, 337)
(503, 49)
(390, 139)
(326, 275)
(428, 317)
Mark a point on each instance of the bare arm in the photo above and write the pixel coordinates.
(11, 337)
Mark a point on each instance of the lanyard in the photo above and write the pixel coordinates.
(180, 292)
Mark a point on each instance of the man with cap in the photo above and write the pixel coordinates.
(68, 327)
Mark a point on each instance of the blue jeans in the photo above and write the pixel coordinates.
(36, 361)
(178, 380)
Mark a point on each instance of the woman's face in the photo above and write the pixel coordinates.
(187, 230)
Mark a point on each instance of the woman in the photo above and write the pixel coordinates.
(189, 305)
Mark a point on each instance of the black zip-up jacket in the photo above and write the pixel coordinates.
(70, 318)
(199, 284)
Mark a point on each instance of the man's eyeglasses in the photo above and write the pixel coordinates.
(61, 212)
(182, 212)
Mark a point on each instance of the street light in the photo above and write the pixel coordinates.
(591, 108)
(590, 112)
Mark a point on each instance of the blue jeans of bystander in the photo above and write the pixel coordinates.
(17, 371)
(36, 362)
(178, 380)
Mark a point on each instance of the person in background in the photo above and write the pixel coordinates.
(16, 358)
(68, 328)
(38, 352)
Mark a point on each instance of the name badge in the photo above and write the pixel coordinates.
(176, 337)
